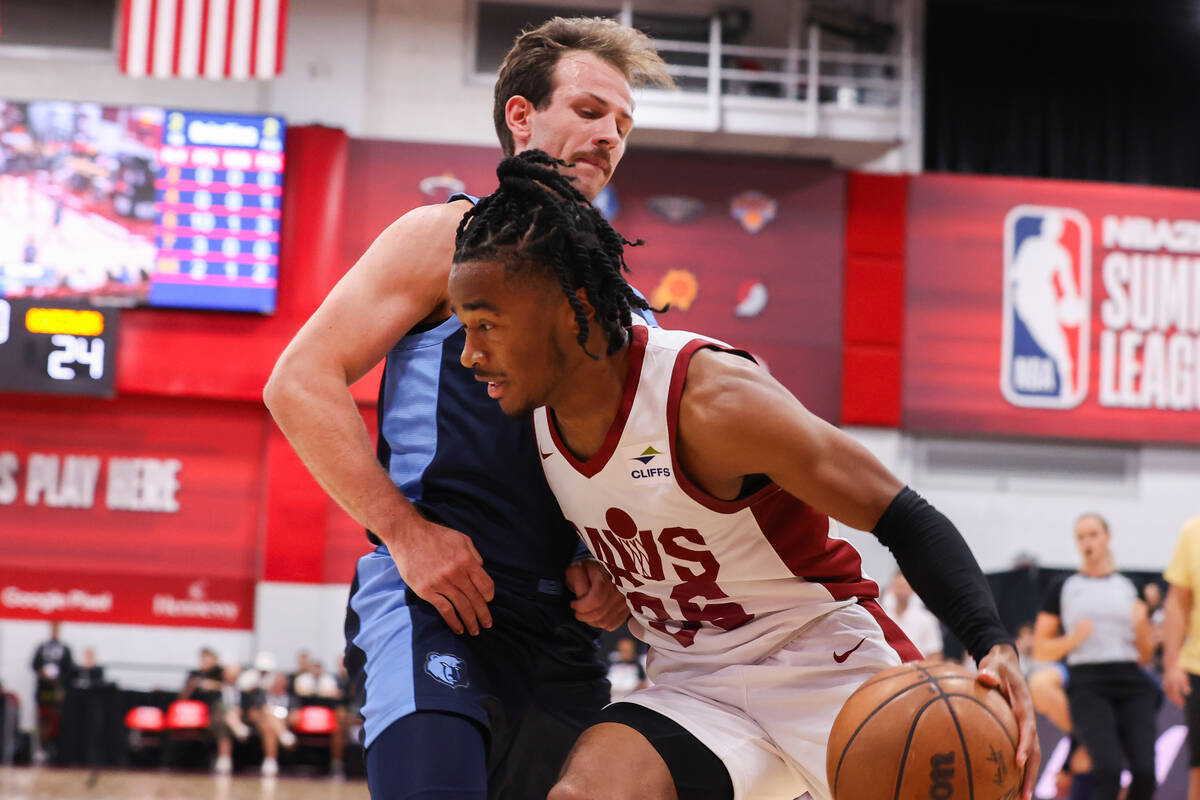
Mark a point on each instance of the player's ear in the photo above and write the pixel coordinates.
(518, 115)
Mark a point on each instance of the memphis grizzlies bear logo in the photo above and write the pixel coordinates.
(448, 669)
(1047, 304)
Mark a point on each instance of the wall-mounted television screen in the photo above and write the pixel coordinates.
(140, 205)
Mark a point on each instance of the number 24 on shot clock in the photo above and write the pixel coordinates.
(53, 347)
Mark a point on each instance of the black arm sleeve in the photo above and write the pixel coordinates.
(942, 570)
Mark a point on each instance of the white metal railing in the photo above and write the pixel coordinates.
(807, 81)
(807, 88)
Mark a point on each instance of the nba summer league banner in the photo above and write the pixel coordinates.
(1052, 308)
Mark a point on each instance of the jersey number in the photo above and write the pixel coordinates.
(633, 556)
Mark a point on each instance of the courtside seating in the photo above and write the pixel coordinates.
(186, 722)
(315, 727)
(145, 725)
(315, 721)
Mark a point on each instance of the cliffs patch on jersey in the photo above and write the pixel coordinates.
(649, 463)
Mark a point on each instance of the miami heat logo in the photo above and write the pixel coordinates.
(441, 187)
(1047, 300)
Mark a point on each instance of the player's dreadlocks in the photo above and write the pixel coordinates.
(538, 219)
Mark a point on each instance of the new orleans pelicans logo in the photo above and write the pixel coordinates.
(1047, 298)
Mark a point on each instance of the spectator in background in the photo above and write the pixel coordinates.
(319, 688)
(918, 623)
(227, 721)
(268, 709)
(303, 662)
(1047, 681)
(88, 674)
(1181, 640)
(53, 666)
(315, 686)
(349, 715)
(1048, 687)
(626, 673)
(204, 683)
(1098, 623)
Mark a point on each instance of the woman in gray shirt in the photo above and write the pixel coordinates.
(1095, 621)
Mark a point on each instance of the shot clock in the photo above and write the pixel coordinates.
(57, 347)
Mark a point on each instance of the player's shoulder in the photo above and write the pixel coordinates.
(417, 247)
(715, 372)
(1191, 531)
(436, 219)
(721, 388)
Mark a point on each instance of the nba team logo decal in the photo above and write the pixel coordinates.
(1047, 305)
(675, 208)
(448, 669)
(607, 203)
(677, 289)
(751, 299)
(648, 463)
(753, 210)
(442, 187)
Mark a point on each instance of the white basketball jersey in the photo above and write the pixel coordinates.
(726, 581)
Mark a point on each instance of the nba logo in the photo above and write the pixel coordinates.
(1047, 307)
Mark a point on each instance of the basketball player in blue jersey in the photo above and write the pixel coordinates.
(707, 490)
(478, 669)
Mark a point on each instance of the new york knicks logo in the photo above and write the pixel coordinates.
(446, 668)
(1047, 304)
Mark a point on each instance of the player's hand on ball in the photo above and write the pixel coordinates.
(1001, 669)
(443, 567)
(597, 601)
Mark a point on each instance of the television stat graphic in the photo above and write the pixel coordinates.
(134, 205)
(1047, 303)
(218, 208)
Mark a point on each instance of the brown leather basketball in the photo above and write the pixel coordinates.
(924, 731)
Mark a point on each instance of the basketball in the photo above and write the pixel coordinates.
(923, 731)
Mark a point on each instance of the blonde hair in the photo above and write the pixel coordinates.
(528, 69)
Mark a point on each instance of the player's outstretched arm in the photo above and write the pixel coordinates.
(736, 420)
(399, 282)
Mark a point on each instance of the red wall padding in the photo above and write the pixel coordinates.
(873, 312)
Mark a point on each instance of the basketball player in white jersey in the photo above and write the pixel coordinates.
(703, 486)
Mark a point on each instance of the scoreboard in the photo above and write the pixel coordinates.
(217, 201)
(57, 347)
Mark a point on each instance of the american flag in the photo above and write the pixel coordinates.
(219, 39)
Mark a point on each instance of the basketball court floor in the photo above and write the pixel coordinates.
(36, 783)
